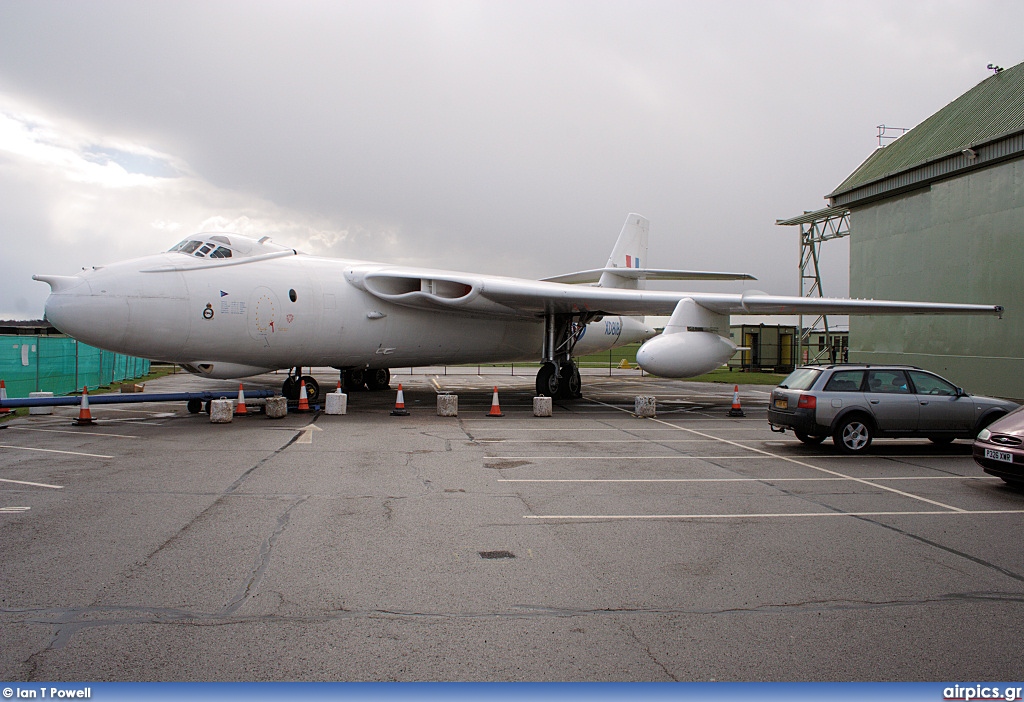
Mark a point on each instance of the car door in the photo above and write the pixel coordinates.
(941, 408)
(894, 407)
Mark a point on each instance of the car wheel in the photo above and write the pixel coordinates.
(809, 439)
(853, 435)
(941, 440)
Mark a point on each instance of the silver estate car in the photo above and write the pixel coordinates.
(854, 403)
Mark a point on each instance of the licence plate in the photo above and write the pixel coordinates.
(999, 456)
(781, 403)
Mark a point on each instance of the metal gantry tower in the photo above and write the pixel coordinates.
(815, 229)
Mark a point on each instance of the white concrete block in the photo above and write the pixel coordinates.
(276, 407)
(337, 403)
(542, 406)
(40, 410)
(447, 405)
(644, 406)
(222, 411)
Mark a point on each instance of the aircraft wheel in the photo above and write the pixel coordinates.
(574, 386)
(379, 379)
(290, 389)
(194, 406)
(312, 388)
(548, 384)
(353, 379)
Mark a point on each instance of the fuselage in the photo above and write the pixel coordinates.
(231, 318)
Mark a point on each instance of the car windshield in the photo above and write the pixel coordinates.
(801, 379)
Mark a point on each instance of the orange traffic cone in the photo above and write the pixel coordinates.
(240, 408)
(399, 410)
(303, 397)
(495, 408)
(339, 388)
(84, 415)
(736, 410)
(3, 396)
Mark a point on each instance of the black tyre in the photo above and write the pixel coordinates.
(290, 389)
(548, 384)
(379, 379)
(353, 380)
(853, 435)
(194, 406)
(809, 439)
(573, 382)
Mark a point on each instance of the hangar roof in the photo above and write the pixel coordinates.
(992, 111)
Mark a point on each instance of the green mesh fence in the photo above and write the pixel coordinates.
(61, 365)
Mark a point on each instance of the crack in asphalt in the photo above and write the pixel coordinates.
(66, 622)
(262, 561)
(77, 619)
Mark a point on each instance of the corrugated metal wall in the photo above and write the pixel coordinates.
(961, 240)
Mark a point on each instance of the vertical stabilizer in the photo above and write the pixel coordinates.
(630, 252)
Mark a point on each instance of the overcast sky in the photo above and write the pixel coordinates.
(502, 137)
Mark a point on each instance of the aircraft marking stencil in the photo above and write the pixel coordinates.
(262, 310)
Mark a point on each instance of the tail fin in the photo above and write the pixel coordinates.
(630, 251)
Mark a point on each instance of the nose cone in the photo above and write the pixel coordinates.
(97, 320)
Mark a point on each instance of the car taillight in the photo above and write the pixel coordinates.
(807, 402)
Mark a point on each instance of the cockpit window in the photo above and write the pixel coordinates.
(225, 246)
(204, 249)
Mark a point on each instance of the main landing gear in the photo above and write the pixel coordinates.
(293, 386)
(564, 384)
(356, 379)
(559, 377)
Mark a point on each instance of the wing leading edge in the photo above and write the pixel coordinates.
(430, 289)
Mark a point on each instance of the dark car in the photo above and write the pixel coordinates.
(854, 403)
(999, 448)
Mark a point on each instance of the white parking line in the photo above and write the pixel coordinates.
(14, 510)
(767, 515)
(23, 482)
(69, 453)
(733, 480)
(674, 457)
(590, 441)
(862, 481)
(71, 431)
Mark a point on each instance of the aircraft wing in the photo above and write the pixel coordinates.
(437, 290)
(594, 275)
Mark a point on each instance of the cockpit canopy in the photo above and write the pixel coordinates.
(225, 246)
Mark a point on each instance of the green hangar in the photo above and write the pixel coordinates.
(938, 215)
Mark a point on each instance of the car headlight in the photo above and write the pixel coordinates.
(984, 435)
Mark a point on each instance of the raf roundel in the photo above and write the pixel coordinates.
(208, 312)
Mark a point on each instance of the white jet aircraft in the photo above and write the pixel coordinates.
(224, 305)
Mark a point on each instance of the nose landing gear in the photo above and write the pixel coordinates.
(293, 385)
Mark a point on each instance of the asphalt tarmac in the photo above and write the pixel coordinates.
(592, 545)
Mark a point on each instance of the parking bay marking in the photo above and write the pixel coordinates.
(71, 431)
(837, 474)
(732, 480)
(25, 482)
(769, 514)
(68, 453)
(14, 510)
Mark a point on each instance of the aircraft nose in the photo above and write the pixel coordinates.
(73, 308)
